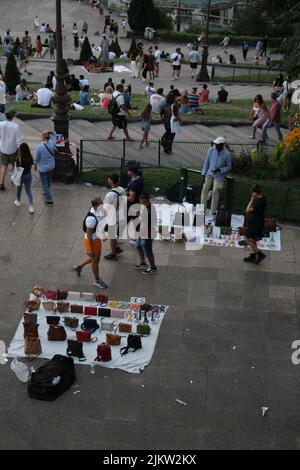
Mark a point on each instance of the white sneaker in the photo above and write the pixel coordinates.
(251, 137)
(17, 203)
(31, 210)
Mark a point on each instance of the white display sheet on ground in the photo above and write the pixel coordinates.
(133, 362)
(166, 214)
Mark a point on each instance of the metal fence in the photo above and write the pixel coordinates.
(95, 154)
(283, 200)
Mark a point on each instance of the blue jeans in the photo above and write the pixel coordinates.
(26, 180)
(266, 127)
(46, 184)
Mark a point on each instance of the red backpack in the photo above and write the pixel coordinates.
(103, 353)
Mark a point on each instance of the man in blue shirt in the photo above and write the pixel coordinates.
(45, 162)
(217, 164)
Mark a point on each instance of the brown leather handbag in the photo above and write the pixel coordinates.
(76, 308)
(113, 339)
(62, 294)
(30, 329)
(30, 318)
(125, 327)
(32, 304)
(32, 346)
(49, 306)
(56, 333)
(71, 322)
(62, 307)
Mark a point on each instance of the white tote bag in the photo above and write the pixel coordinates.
(17, 175)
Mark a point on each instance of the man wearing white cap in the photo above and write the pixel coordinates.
(217, 164)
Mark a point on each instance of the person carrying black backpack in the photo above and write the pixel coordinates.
(118, 111)
(92, 244)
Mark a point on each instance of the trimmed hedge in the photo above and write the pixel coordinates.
(215, 38)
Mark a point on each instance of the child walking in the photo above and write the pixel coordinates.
(25, 161)
(146, 116)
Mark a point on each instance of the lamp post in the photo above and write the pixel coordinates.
(60, 117)
(203, 75)
(179, 16)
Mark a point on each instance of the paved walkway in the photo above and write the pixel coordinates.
(224, 347)
(74, 11)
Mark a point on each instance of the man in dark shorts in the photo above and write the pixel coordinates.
(255, 214)
(147, 234)
(176, 61)
(119, 113)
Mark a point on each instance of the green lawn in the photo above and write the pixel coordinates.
(237, 111)
(275, 191)
(246, 78)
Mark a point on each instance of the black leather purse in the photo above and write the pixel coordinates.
(90, 324)
(75, 349)
(52, 320)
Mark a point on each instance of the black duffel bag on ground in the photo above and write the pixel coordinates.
(52, 379)
(223, 218)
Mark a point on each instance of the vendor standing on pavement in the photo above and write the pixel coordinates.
(217, 165)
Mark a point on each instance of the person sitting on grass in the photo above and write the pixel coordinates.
(204, 94)
(222, 96)
(193, 101)
(84, 96)
(43, 97)
(22, 91)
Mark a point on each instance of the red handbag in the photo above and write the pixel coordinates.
(50, 294)
(85, 337)
(90, 311)
(102, 298)
(103, 353)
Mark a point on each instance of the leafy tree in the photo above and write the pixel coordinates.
(115, 47)
(144, 13)
(86, 51)
(133, 47)
(12, 75)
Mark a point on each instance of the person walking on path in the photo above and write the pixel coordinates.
(76, 42)
(260, 114)
(194, 60)
(166, 114)
(112, 200)
(92, 244)
(85, 27)
(2, 92)
(264, 47)
(36, 24)
(287, 93)
(38, 47)
(25, 161)
(245, 48)
(10, 141)
(273, 120)
(105, 47)
(255, 216)
(146, 117)
(148, 232)
(225, 43)
(176, 62)
(45, 163)
(52, 46)
(118, 113)
(217, 164)
(157, 55)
